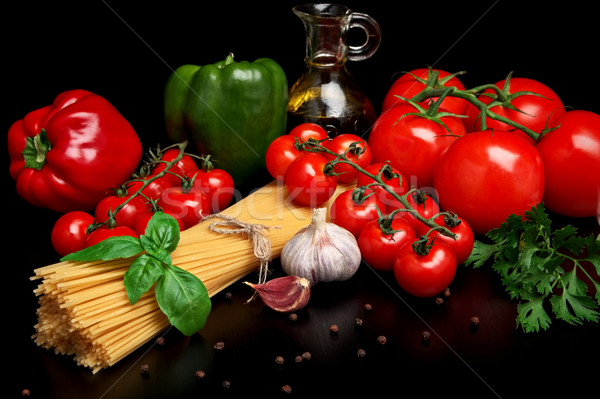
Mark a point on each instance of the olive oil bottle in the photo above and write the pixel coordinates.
(326, 93)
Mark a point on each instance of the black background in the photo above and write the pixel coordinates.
(125, 51)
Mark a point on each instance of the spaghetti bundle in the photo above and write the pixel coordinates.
(84, 310)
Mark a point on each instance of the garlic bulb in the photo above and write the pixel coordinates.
(321, 251)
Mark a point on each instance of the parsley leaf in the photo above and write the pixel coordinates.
(543, 269)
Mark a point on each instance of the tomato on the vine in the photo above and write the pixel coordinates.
(571, 158)
(357, 150)
(413, 82)
(218, 186)
(280, 154)
(189, 204)
(104, 232)
(352, 208)
(534, 111)
(379, 240)
(69, 233)
(153, 189)
(391, 177)
(425, 206)
(185, 167)
(486, 176)
(412, 143)
(462, 245)
(125, 216)
(305, 131)
(424, 268)
(308, 182)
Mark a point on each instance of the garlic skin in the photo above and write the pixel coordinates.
(321, 251)
(284, 294)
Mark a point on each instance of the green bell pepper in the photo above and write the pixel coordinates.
(229, 110)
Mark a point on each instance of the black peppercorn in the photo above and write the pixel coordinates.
(333, 329)
(145, 370)
(219, 346)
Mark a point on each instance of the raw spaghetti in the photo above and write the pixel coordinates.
(84, 310)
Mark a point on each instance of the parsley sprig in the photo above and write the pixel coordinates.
(543, 269)
(180, 295)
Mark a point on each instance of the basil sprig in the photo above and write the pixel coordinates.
(181, 296)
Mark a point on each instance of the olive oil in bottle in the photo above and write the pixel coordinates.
(326, 93)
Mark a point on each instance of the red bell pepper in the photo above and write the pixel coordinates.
(68, 155)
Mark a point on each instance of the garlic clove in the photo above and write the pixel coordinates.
(284, 294)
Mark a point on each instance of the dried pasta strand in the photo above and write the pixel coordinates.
(83, 306)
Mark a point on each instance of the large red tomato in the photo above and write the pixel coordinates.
(571, 158)
(535, 112)
(486, 176)
(412, 143)
(412, 83)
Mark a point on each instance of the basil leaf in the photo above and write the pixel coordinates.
(108, 249)
(183, 298)
(153, 248)
(141, 275)
(163, 231)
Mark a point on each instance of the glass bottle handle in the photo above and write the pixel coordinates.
(373, 37)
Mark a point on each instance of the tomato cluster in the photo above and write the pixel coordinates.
(308, 176)
(186, 191)
(380, 223)
(479, 165)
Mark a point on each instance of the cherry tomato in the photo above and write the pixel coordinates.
(351, 209)
(125, 216)
(535, 112)
(571, 158)
(391, 177)
(102, 233)
(190, 205)
(425, 205)
(185, 167)
(359, 154)
(69, 233)
(412, 143)
(486, 176)
(143, 218)
(306, 180)
(305, 131)
(424, 272)
(462, 245)
(218, 185)
(280, 154)
(413, 82)
(154, 189)
(378, 247)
